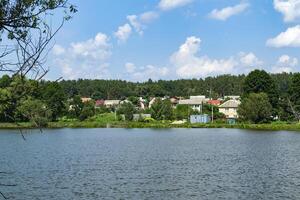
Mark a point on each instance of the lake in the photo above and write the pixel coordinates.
(150, 164)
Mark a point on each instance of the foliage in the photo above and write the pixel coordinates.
(87, 111)
(183, 112)
(18, 17)
(259, 81)
(134, 100)
(126, 109)
(255, 108)
(75, 107)
(35, 111)
(295, 90)
(162, 110)
(55, 99)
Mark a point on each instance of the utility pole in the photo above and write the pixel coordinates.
(212, 107)
(212, 114)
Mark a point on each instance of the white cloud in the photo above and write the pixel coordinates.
(87, 59)
(139, 22)
(149, 16)
(145, 72)
(58, 50)
(227, 12)
(135, 23)
(289, 38)
(172, 4)
(130, 67)
(285, 64)
(123, 32)
(189, 65)
(289, 8)
(249, 60)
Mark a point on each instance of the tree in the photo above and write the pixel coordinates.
(183, 112)
(127, 109)
(75, 106)
(294, 93)
(87, 111)
(25, 23)
(54, 96)
(259, 81)
(255, 108)
(134, 100)
(5, 81)
(162, 110)
(35, 111)
(6, 105)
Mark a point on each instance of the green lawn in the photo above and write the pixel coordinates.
(108, 120)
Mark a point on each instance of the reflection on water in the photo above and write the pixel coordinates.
(150, 164)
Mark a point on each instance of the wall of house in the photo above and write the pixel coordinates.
(229, 112)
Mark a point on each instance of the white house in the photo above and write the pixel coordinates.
(111, 103)
(229, 109)
(195, 102)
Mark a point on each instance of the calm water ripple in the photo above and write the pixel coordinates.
(150, 164)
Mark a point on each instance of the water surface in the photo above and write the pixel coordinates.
(150, 164)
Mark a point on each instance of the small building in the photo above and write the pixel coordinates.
(112, 103)
(202, 119)
(195, 102)
(229, 109)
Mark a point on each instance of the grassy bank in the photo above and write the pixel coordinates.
(119, 124)
(109, 121)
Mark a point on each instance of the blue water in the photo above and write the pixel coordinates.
(150, 164)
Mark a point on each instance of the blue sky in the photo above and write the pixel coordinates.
(172, 39)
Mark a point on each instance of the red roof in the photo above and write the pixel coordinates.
(214, 102)
(99, 102)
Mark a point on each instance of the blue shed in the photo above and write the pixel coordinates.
(203, 119)
(231, 121)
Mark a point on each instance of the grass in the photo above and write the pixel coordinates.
(108, 120)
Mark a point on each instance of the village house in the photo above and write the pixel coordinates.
(196, 102)
(229, 109)
(142, 103)
(174, 101)
(112, 103)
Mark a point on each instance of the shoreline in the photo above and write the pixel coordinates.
(158, 125)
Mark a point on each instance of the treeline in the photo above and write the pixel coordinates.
(220, 86)
(118, 89)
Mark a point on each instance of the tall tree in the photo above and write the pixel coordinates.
(259, 81)
(255, 108)
(54, 96)
(162, 110)
(294, 93)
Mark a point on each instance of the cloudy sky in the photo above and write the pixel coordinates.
(172, 39)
